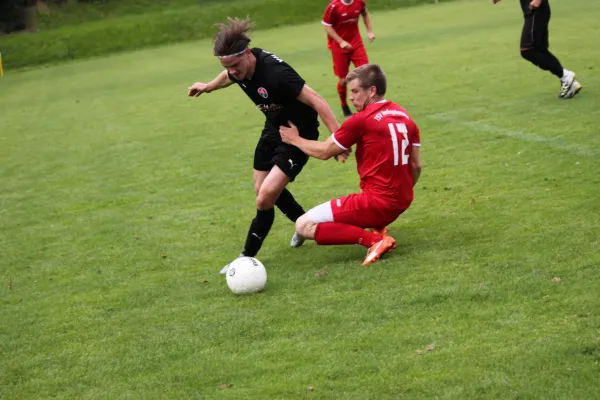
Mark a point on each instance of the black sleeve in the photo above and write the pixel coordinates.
(290, 82)
(231, 78)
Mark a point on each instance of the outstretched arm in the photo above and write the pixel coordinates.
(322, 150)
(220, 82)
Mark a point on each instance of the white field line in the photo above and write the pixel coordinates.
(555, 143)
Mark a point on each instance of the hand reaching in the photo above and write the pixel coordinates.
(197, 89)
(288, 135)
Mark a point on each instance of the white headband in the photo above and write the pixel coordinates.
(233, 55)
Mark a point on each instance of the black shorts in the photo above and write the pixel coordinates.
(271, 151)
(535, 31)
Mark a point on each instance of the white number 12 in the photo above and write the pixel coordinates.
(401, 128)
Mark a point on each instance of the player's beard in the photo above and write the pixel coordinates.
(369, 100)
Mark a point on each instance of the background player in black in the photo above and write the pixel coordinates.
(534, 45)
(282, 95)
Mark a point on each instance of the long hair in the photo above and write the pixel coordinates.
(233, 36)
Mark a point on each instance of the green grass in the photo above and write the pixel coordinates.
(78, 31)
(75, 12)
(120, 200)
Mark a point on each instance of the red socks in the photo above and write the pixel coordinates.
(342, 92)
(334, 233)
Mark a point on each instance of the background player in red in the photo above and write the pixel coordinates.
(344, 40)
(388, 161)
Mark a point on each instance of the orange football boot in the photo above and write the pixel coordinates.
(384, 246)
(380, 232)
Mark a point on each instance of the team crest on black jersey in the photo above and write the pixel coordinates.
(263, 92)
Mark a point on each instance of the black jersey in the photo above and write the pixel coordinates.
(544, 7)
(275, 88)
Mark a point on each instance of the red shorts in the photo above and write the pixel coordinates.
(361, 210)
(341, 60)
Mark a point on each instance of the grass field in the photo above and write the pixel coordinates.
(120, 200)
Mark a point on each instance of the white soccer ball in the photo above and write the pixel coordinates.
(246, 275)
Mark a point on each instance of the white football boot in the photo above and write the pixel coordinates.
(297, 240)
(225, 268)
(575, 88)
(566, 83)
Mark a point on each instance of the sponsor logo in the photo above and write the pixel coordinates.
(394, 113)
(269, 107)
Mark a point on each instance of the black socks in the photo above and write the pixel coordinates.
(259, 229)
(289, 206)
(544, 60)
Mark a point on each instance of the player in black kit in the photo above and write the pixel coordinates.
(534, 45)
(282, 95)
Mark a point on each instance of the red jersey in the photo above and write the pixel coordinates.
(344, 20)
(384, 135)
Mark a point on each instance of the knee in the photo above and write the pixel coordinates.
(265, 200)
(527, 53)
(342, 81)
(301, 223)
(306, 227)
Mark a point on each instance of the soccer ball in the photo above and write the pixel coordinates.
(246, 275)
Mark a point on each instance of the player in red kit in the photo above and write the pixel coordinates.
(388, 162)
(344, 40)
